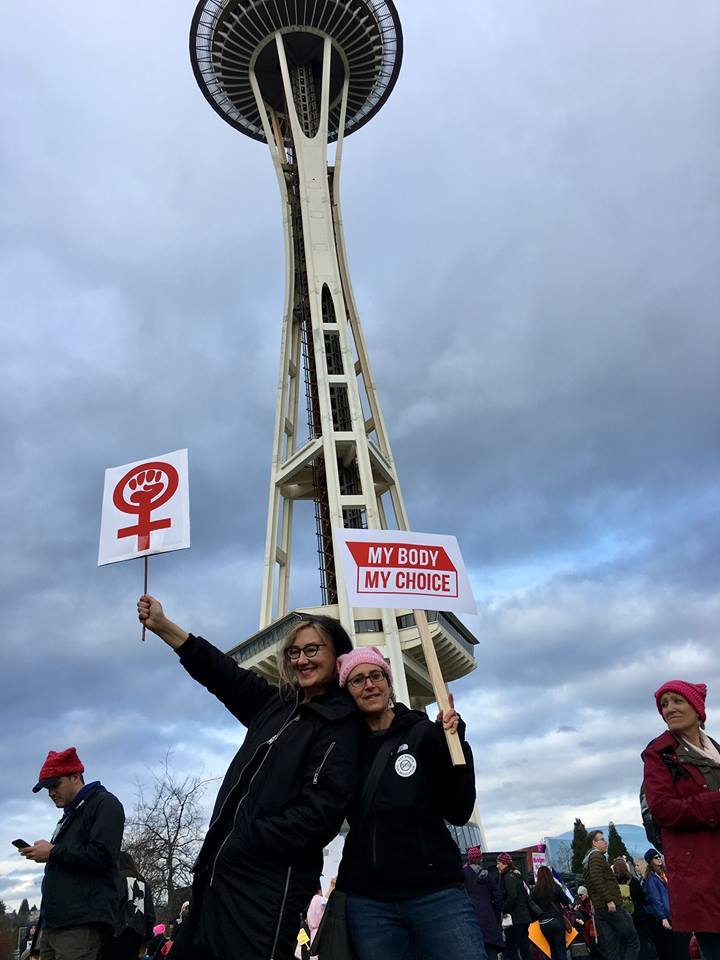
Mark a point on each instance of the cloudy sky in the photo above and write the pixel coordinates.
(533, 223)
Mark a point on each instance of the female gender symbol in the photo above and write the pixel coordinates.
(151, 485)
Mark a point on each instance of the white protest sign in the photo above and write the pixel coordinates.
(146, 508)
(394, 568)
(539, 859)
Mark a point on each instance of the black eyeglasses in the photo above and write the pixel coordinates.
(375, 676)
(310, 651)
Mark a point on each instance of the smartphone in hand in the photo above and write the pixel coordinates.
(21, 844)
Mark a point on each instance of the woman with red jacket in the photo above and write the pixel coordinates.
(682, 785)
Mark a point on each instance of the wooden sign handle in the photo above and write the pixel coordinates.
(145, 588)
(439, 686)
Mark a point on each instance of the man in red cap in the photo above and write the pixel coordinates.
(80, 890)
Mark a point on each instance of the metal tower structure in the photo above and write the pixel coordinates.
(300, 75)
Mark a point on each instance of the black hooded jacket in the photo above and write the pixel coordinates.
(283, 798)
(400, 847)
(81, 885)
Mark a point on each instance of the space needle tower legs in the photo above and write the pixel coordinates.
(300, 75)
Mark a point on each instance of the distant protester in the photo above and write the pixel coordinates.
(631, 890)
(682, 786)
(283, 798)
(585, 920)
(551, 899)
(485, 898)
(159, 944)
(137, 913)
(515, 905)
(80, 890)
(401, 870)
(184, 910)
(669, 944)
(618, 937)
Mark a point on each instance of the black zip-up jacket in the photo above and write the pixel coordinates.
(81, 885)
(514, 897)
(283, 798)
(401, 847)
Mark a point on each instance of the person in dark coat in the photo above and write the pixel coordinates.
(485, 898)
(401, 869)
(585, 920)
(550, 899)
(283, 798)
(137, 913)
(514, 903)
(682, 786)
(80, 890)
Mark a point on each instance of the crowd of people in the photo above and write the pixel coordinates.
(328, 744)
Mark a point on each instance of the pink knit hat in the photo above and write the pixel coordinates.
(370, 655)
(474, 855)
(694, 693)
(158, 929)
(504, 858)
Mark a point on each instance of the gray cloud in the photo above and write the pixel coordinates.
(530, 221)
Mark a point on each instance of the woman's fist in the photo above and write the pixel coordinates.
(150, 612)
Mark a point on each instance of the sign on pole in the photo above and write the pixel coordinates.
(146, 508)
(424, 571)
(394, 568)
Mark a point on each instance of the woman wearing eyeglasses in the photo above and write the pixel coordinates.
(401, 869)
(284, 795)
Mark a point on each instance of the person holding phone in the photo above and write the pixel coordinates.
(80, 903)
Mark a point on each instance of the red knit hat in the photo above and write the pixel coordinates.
(58, 765)
(694, 693)
(474, 855)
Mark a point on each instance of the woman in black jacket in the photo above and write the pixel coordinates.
(550, 899)
(401, 869)
(283, 798)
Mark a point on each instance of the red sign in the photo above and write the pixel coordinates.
(399, 568)
(142, 490)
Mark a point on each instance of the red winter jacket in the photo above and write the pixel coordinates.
(689, 814)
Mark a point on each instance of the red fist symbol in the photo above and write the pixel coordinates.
(142, 490)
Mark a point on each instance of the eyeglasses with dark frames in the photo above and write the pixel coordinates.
(375, 676)
(310, 651)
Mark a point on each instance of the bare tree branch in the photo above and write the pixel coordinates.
(165, 831)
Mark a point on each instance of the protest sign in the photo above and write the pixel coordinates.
(424, 571)
(536, 936)
(395, 568)
(145, 510)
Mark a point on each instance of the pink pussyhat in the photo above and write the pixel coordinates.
(694, 693)
(370, 655)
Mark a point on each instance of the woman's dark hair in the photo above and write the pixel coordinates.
(621, 871)
(128, 865)
(545, 887)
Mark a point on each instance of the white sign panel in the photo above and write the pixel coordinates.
(538, 860)
(394, 568)
(146, 508)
